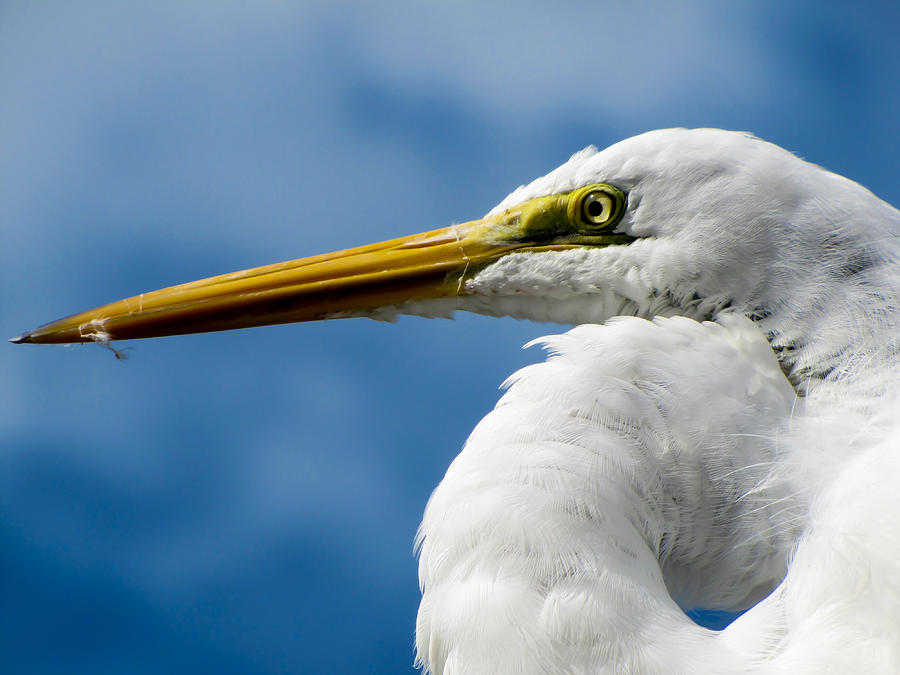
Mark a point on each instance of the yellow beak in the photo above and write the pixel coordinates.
(423, 266)
(354, 282)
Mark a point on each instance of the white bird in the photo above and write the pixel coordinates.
(731, 442)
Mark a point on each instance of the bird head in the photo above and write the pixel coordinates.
(669, 222)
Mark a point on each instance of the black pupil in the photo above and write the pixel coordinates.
(595, 208)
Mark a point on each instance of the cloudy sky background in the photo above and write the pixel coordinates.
(247, 501)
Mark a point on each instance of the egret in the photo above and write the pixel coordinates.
(722, 431)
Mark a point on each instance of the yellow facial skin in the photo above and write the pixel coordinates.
(430, 265)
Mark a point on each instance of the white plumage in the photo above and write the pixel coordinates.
(652, 463)
(733, 443)
(634, 465)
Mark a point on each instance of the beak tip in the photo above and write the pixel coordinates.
(19, 339)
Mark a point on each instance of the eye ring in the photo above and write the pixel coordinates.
(597, 207)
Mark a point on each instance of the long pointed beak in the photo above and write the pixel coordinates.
(429, 265)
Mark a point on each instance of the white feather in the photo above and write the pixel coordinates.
(653, 466)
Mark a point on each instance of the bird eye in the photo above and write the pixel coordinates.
(599, 206)
(596, 207)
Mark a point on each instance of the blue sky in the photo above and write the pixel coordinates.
(247, 501)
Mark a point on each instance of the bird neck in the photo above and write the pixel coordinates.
(575, 513)
(845, 337)
(513, 574)
(828, 292)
